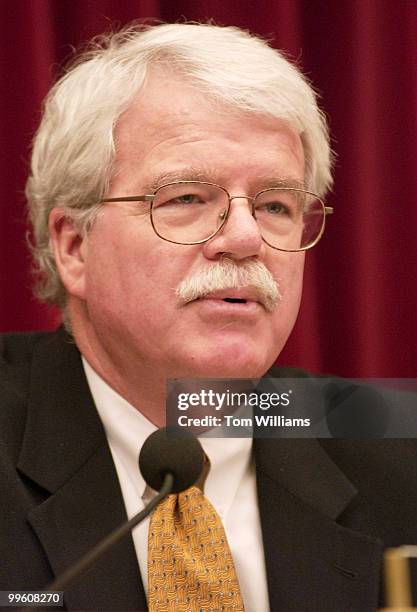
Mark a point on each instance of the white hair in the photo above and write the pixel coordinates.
(74, 147)
(228, 274)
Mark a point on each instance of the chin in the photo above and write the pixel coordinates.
(238, 362)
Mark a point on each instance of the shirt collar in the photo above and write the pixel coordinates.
(127, 429)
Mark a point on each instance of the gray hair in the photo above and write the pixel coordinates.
(227, 274)
(74, 148)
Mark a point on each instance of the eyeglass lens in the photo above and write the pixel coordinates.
(289, 219)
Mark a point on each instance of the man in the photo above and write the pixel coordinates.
(176, 184)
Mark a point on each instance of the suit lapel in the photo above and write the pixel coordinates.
(312, 562)
(65, 452)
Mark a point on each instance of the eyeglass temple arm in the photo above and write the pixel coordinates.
(328, 210)
(143, 198)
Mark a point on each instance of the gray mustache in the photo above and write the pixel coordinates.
(227, 274)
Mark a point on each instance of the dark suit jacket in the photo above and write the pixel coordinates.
(327, 509)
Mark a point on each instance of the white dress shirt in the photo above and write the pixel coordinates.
(230, 486)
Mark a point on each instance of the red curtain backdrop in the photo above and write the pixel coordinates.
(359, 311)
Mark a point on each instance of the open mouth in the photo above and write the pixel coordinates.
(227, 299)
(243, 297)
(220, 304)
(234, 300)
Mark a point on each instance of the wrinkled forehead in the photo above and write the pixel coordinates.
(167, 99)
(172, 131)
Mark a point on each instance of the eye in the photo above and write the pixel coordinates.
(187, 198)
(276, 208)
(187, 195)
(278, 203)
(273, 208)
(181, 199)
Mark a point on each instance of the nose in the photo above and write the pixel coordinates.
(239, 237)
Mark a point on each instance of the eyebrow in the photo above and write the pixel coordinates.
(185, 174)
(283, 182)
(207, 176)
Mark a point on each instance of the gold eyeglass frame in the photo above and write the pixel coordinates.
(327, 210)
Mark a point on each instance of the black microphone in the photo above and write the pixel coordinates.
(175, 451)
(171, 460)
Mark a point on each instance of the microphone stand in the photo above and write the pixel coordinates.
(91, 557)
(71, 574)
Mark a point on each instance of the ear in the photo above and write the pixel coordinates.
(70, 249)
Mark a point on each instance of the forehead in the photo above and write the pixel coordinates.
(171, 126)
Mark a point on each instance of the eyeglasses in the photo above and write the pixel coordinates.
(192, 212)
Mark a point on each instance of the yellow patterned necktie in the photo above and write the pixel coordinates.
(190, 566)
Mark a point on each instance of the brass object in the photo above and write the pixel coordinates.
(397, 578)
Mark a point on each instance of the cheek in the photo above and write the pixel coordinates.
(287, 269)
(135, 272)
(289, 275)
